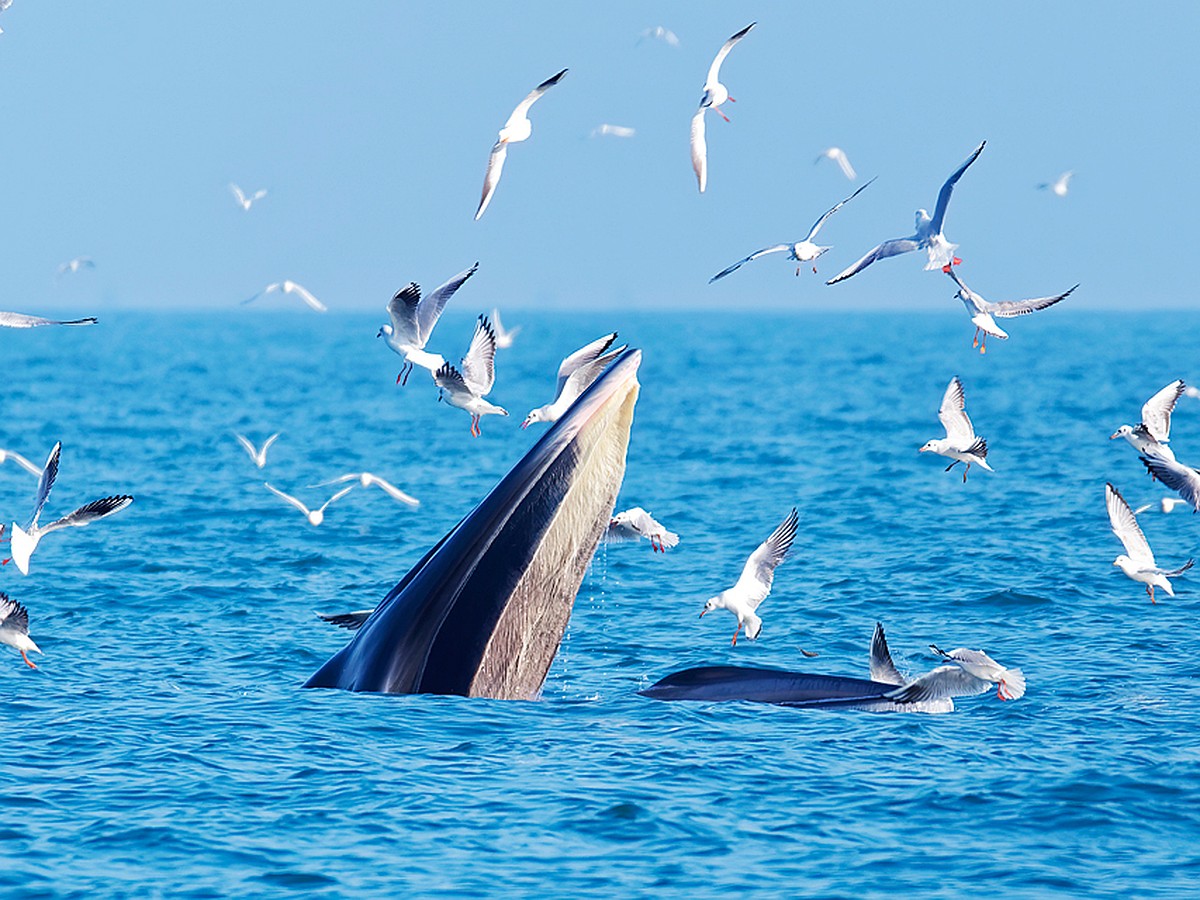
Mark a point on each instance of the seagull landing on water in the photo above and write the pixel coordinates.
(982, 311)
(635, 524)
(467, 389)
(838, 155)
(960, 443)
(246, 201)
(14, 628)
(290, 287)
(25, 540)
(314, 516)
(1059, 187)
(928, 236)
(20, 320)
(366, 479)
(74, 265)
(575, 375)
(412, 322)
(21, 461)
(801, 251)
(258, 454)
(1010, 683)
(504, 336)
(754, 585)
(714, 95)
(1150, 436)
(517, 128)
(1137, 562)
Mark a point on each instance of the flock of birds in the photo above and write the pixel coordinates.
(413, 317)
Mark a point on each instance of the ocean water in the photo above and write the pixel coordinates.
(165, 747)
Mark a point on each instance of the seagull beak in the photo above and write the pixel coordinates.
(702, 612)
(1114, 435)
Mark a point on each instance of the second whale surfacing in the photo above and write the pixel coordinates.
(483, 613)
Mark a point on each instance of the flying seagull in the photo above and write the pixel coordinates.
(801, 251)
(467, 389)
(1150, 436)
(14, 628)
(1058, 187)
(75, 265)
(517, 128)
(982, 312)
(754, 585)
(290, 287)
(412, 321)
(575, 375)
(928, 236)
(960, 443)
(1175, 475)
(259, 455)
(1010, 683)
(660, 33)
(504, 336)
(314, 516)
(1137, 562)
(366, 479)
(838, 155)
(635, 524)
(715, 93)
(244, 201)
(20, 320)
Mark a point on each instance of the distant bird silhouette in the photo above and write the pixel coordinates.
(1060, 187)
(838, 155)
(259, 455)
(244, 201)
(290, 287)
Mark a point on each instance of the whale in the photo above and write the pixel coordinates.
(482, 614)
(886, 690)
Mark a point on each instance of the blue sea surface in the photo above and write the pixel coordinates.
(165, 747)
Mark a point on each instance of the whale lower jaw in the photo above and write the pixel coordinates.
(483, 613)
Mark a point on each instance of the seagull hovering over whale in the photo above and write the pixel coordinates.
(14, 628)
(246, 201)
(21, 320)
(1137, 562)
(754, 585)
(290, 287)
(838, 155)
(1010, 683)
(575, 375)
(517, 128)
(1151, 435)
(801, 251)
(982, 311)
(715, 93)
(258, 454)
(366, 479)
(314, 516)
(635, 524)
(960, 444)
(928, 235)
(25, 540)
(466, 389)
(412, 322)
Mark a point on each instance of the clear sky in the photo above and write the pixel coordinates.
(370, 124)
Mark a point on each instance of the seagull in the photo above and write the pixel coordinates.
(1059, 187)
(1010, 683)
(243, 201)
(714, 95)
(755, 582)
(74, 265)
(20, 320)
(1166, 505)
(467, 389)
(290, 287)
(1150, 436)
(928, 235)
(25, 540)
(838, 155)
(801, 251)
(412, 322)
(504, 336)
(1174, 475)
(314, 516)
(517, 128)
(1137, 562)
(1192, 391)
(575, 375)
(960, 443)
(659, 33)
(258, 455)
(982, 311)
(366, 479)
(635, 524)
(618, 131)
(14, 628)
(21, 461)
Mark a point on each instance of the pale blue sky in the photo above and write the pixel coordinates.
(370, 124)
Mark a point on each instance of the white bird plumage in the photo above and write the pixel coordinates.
(617, 131)
(504, 336)
(21, 461)
(258, 454)
(290, 287)
(75, 265)
(757, 576)
(634, 524)
(1175, 475)
(660, 33)
(1010, 683)
(245, 201)
(366, 479)
(838, 155)
(412, 320)
(928, 235)
(466, 389)
(1060, 186)
(575, 375)
(314, 516)
(517, 128)
(960, 444)
(14, 628)
(1165, 505)
(715, 93)
(1152, 434)
(982, 311)
(1137, 562)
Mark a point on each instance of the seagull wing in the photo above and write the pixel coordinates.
(522, 110)
(13, 615)
(839, 156)
(338, 496)
(287, 498)
(759, 571)
(882, 668)
(1007, 309)
(292, 288)
(89, 513)
(392, 491)
(714, 71)
(699, 150)
(238, 195)
(581, 357)
(1156, 413)
(402, 310)
(449, 379)
(942, 683)
(953, 413)
(581, 379)
(247, 446)
(777, 248)
(45, 483)
(1125, 527)
(430, 309)
(883, 251)
(491, 177)
(1176, 476)
(20, 320)
(479, 365)
(22, 462)
(812, 232)
(943, 200)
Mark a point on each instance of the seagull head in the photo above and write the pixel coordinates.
(931, 446)
(713, 603)
(384, 329)
(1123, 431)
(923, 218)
(535, 415)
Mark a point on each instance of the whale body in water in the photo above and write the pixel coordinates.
(483, 613)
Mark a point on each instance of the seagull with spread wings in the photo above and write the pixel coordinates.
(314, 516)
(1137, 562)
(960, 444)
(14, 628)
(575, 375)
(983, 312)
(290, 287)
(245, 201)
(258, 454)
(466, 389)
(366, 479)
(838, 155)
(413, 320)
(715, 93)
(1151, 435)
(635, 524)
